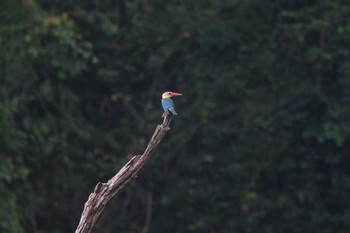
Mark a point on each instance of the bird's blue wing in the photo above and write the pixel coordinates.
(168, 104)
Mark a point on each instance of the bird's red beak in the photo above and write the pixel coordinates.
(175, 94)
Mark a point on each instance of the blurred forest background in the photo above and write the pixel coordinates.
(261, 142)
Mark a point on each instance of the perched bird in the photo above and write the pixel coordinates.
(168, 103)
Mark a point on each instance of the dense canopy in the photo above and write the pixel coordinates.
(261, 142)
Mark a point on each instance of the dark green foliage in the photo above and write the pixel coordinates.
(261, 143)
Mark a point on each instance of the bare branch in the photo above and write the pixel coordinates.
(104, 192)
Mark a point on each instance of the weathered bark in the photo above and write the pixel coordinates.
(103, 192)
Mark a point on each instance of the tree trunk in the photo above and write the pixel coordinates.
(104, 192)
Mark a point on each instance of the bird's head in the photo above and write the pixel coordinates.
(169, 94)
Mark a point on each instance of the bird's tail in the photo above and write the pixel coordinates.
(172, 110)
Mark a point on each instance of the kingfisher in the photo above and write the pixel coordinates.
(168, 103)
